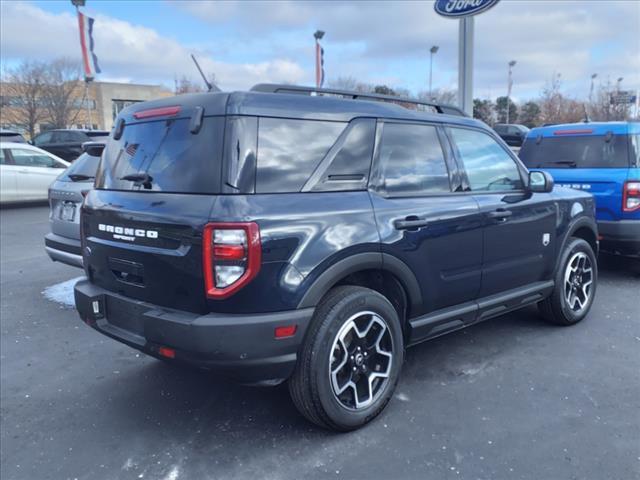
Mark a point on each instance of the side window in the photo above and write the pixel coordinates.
(290, 150)
(412, 161)
(30, 158)
(2, 158)
(43, 138)
(488, 166)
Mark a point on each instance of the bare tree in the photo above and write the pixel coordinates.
(62, 81)
(601, 108)
(21, 90)
(185, 84)
(442, 96)
(351, 84)
(555, 107)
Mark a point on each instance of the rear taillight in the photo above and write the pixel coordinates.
(631, 196)
(232, 254)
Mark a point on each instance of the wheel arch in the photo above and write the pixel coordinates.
(584, 228)
(395, 280)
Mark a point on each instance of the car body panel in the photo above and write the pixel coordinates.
(31, 182)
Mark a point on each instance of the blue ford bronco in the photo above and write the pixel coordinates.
(310, 236)
(600, 158)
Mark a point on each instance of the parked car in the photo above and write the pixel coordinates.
(66, 194)
(11, 136)
(67, 144)
(600, 158)
(307, 235)
(26, 172)
(513, 134)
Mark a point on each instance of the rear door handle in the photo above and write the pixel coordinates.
(500, 214)
(410, 223)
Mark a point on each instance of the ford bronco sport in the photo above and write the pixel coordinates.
(310, 236)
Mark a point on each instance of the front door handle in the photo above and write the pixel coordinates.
(500, 214)
(410, 223)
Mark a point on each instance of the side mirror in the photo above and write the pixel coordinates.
(540, 182)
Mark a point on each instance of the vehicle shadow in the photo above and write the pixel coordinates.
(617, 266)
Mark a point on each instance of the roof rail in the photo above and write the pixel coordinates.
(405, 102)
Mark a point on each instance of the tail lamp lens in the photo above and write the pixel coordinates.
(231, 257)
(631, 196)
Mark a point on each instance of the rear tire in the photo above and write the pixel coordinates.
(575, 285)
(350, 362)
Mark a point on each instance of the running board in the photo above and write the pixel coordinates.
(453, 318)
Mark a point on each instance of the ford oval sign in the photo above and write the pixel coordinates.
(462, 8)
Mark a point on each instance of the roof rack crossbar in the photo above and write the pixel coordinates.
(355, 95)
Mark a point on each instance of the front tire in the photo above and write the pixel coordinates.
(350, 362)
(575, 285)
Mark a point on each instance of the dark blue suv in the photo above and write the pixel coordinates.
(312, 235)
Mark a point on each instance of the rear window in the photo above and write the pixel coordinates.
(98, 136)
(592, 151)
(174, 159)
(85, 165)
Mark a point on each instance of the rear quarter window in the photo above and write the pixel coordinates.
(290, 150)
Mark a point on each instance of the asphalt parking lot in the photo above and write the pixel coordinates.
(513, 398)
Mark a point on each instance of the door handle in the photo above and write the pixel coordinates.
(410, 223)
(500, 214)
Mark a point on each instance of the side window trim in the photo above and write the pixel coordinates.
(320, 171)
(466, 186)
(376, 183)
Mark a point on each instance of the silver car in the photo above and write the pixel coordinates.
(66, 194)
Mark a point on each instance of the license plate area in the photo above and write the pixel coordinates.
(68, 212)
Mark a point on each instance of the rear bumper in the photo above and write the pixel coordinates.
(240, 346)
(63, 249)
(622, 236)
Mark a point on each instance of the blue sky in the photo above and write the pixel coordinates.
(376, 42)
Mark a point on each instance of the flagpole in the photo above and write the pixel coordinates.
(86, 96)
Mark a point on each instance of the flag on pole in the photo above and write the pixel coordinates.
(319, 65)
(89, 59)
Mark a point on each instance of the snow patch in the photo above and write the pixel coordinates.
(62, 293)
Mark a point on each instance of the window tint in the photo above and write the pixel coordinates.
(348, 167)
(2, 160)
(487, 165)
(592, 151)
(30, 158)
(43, 138)
(85, 165)
(500, 129)
(174, 158)
(411, 160)
(290, 150)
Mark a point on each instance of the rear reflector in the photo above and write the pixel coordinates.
(286, 331)
(167, 352)
(573, 132)
(157, 112)
(228, 252)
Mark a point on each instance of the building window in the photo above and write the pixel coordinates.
(118, 105)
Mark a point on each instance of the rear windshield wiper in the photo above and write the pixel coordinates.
(138, 179)
(79, 177)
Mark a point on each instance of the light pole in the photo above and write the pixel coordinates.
(433, 50)
(618, 84)
(319, 59)
(593, 77)
(509, 83)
